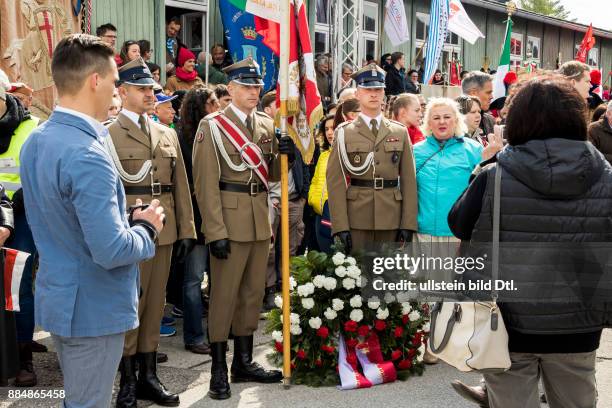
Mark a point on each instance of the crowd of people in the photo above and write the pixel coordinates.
(441, 151)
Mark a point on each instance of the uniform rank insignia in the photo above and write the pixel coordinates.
(357, 159)
(395, 158)
(393, 139)
(263, 141)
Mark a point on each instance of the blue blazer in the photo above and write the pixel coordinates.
(87, 282)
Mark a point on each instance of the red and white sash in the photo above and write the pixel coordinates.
(14, 264)
(251, 154)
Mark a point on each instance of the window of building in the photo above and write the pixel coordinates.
(370, 30)
(592, 58)
(516, 45)
(322, 12)
(322, 23)
(533, 48)
(422, 26)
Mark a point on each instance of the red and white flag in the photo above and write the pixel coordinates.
(587, 43)
(14, 264)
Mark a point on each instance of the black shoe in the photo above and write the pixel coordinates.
(38, 348)
(126, 397)
(148, 386)
(201, 348)
(268, 301)
(477, 394)
(162, 357)
(244, 369)
(26, 377)
(219, 386)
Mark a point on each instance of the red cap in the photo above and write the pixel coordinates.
(184, 55)
(510, 78)
(596, 77)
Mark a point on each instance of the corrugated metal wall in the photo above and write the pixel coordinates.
(606, 57)
(550, 47)
(566, 47)
(496, 30)
(473, 55)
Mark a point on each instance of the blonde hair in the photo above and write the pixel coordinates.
(460, 128)
(403, 101)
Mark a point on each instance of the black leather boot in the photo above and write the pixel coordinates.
(219, 386)
(26, 377)
(148, 386)
(268, 302)
(244, 369)
(126, 397)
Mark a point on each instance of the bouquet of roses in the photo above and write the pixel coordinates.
(326, 302)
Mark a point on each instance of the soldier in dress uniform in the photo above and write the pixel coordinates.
(149, 161)
(235, 155)
(370, 175)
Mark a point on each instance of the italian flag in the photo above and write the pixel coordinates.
(499, 89)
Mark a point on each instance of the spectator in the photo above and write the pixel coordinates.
(197, 103)
(346, 93)
(219, 61)
(155, 71)
(579, 74)
(22, 92)
(324, 80)
(317, 195)
(186, 77)
(386, 61)
(146, 52)
(598, 112)
(332, 108)
(89, 249)
(395, 80)
(462, 74)
(114, 109)
(164, 112)
(546, 132)
(600, 133)
(223, 96)
(412, 83)
(480, 85)
(347, 111)
(346, 81)
(172, 43)
(9, 351)
(437, 79)
(469, 106)
(130, 50)
(108, 33)
(406, 109)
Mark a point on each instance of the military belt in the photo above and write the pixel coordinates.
(250, 188)
(155, 189)
(377, 183)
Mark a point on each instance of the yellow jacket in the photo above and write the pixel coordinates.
(317, 194)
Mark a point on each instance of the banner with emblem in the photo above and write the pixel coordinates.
(243, 40)
(30, 31)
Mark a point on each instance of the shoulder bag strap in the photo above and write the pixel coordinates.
(496, 216)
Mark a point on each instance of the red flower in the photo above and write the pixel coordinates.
(405, 319)
(412, 353)
(323, 332)
(352, 342)
(396, 354)
(416, 341)
(318, 362)
(328, 349)
(363, 330)
(278, 346)
(404, 364)
(398, 332)
(301, 354)
(380, 325)
(350, 326)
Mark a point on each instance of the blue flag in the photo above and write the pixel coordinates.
(243, 40)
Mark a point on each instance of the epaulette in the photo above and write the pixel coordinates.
(348, 122)
(212, 115)
(264, 114)
(396, 122)
(109, 122)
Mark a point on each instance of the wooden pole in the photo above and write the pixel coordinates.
(284, 95)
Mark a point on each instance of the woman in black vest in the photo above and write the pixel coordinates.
(9, 352)
(556, 188)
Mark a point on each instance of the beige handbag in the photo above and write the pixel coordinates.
(474, 337)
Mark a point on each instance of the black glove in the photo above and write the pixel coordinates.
(404, 235)
(347, 241)
(286, 146)
(184, 247)
(220, 249)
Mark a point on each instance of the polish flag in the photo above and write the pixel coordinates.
(14, 264)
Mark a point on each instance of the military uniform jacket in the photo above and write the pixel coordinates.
(231, 215)
(134, 148)
(365, 208)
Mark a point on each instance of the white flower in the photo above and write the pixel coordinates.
(353, 272)
(338, 258)
(350, 260)
(373, 302)
(356, 301)
(330, 283)
(426, 327)
(337, 304)
(295, 318)
(330, 314)
(292, 283)
(382, 314)
(389, 298)
(406, 308)
(295, 329)
(402, 297)
(278, 301)
(414, 315)
(421, 353)
(318, 281)
(315, 322)
(307, 303)
(277, 336)
(356, 315)
(348, 283)
(306, 289)
(340, 271)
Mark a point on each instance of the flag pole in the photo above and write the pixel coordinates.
(284, 95)
(207, 49)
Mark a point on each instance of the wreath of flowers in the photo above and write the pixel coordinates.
(326, 302)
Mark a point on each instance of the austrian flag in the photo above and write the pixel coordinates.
(14, 263)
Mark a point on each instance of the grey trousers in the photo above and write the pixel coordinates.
(568, 379)
(89, 366)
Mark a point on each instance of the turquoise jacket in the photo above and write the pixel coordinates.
(443, 172)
